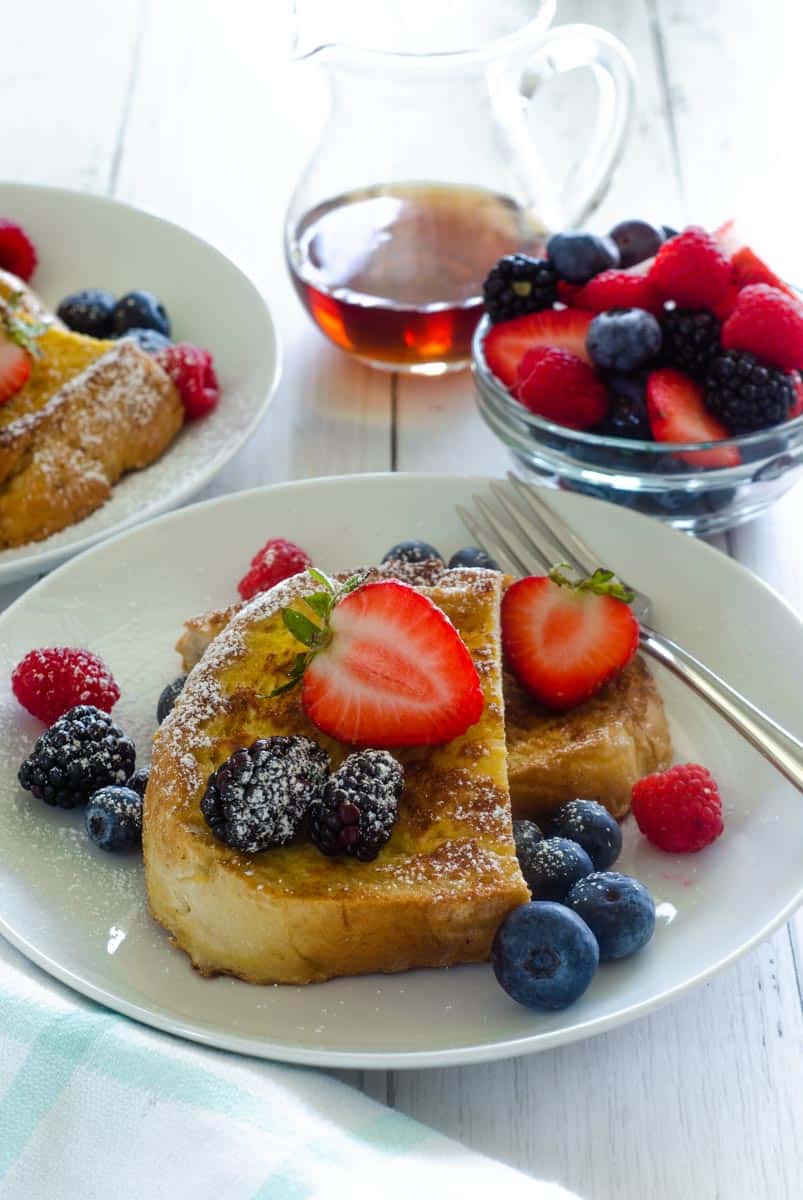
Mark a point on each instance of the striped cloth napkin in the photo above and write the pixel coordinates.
(95, 1107)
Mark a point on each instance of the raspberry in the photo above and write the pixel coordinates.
(17, 251)
(678, 810)
(193, 372)
(48, 682)
(691, 270)
(559, 386)
(768, 323)
(617, 289)
(277, 560)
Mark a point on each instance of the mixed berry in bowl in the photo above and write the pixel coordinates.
(656, 369)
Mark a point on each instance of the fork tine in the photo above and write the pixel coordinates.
(516, 518)
(489, 525)
(482, 537)
(578, 554)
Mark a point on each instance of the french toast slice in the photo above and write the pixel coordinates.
(90, 411)
(439, 888)
(596, 751)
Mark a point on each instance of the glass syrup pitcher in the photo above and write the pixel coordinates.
(427, 172)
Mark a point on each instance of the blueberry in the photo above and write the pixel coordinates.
(618, 910)
(579, 256)
(636, 240)
(627, 413)
(623, 338)
(90, 311)
(473, 556)
(592, 827)
(114, 818)
(554, 866)
(412, 551)
(168, 698)
(139, 781)
(149, 340)
(526, 835)
(140, 310)
(674, 502)
(544, 956)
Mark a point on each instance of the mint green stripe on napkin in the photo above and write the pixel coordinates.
(42, 1077)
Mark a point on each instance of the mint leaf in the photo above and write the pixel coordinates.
(320, 578)
(602, 583)
(320, 603)
(301, 627)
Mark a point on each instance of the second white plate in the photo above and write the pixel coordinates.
(90, 241)
(81, 914)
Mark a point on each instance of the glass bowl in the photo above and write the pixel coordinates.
(650, 477)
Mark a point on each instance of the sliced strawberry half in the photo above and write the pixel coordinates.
(508, 342)
(15, 368)
(677, 413)
(746, 266)
(390, 670)
(565, 641)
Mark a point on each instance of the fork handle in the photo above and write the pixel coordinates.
(777, 745)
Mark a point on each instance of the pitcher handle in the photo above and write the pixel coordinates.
(566, 48)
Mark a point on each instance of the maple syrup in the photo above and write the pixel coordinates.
(393, 273)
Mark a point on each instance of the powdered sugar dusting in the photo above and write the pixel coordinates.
(201, 449)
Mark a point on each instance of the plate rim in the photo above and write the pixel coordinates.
(45, 561)
(396, 1059)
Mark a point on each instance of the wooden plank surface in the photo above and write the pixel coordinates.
(204, 120)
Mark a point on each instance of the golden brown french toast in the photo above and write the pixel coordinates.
(437, 891)
(90, 412)
(596, 751)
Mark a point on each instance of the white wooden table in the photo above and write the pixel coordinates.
(192, 109)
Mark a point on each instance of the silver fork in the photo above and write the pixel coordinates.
(531, 536)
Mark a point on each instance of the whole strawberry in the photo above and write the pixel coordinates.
(50, 681)
(679, 810)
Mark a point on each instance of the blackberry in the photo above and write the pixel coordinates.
(518, 285)
(259, 796)
(168, 697)
(81, 752)
(691, 340)
(745, 394)
(358, 809)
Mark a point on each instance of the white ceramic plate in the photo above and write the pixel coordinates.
(81, 913)
(91, 241)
